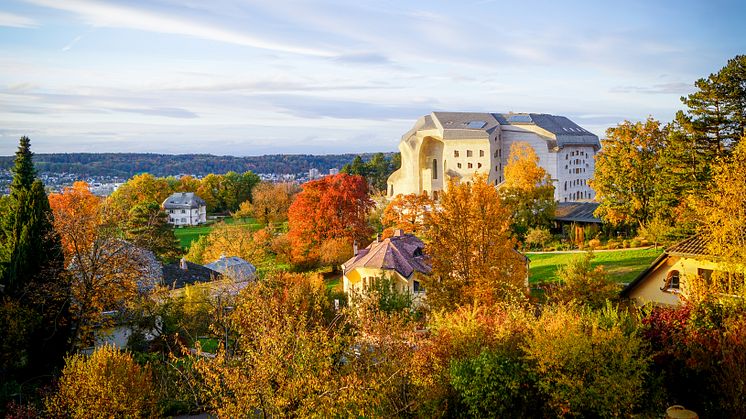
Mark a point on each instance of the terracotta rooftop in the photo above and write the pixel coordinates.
(402, 253)
(693, 246)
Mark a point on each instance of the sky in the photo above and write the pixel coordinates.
(334, 76)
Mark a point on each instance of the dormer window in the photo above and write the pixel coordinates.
(417, 252)
(672, 281)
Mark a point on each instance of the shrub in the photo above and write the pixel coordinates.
(612, 245)
(594, 244)
(538, 237)
(635, 243)
(586, 366)
(109, 383)
(625, 244)
(494, 384)
(583, 284)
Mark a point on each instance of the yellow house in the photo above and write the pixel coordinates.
(662, 282)
(399, 257)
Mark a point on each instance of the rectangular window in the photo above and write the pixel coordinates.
(481, 153)
(468, 153)
(435, 168)
(458, 165)
(470, 166)
(455, 153)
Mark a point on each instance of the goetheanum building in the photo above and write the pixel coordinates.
(460, 144)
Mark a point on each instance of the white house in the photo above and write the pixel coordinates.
(460, 144)
(185, 209)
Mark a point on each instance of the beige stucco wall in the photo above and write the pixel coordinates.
(352, 281)
(649, 290)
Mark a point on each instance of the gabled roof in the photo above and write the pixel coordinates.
(579, 212)
(183, 200)
(693, 246)
(175, 276)
(233, 267)
(401, 253)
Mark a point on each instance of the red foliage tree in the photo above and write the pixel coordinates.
(333, 207)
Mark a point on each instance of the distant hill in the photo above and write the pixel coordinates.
(125, 165)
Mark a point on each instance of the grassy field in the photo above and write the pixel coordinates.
(187, 235)
(622, 265)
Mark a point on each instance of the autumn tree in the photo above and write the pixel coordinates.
(722, 208)
(407, 212)
(270, 202)
(147, 226)
(137, 190)
(224, 193)
(334, 252)
(627, 172)
(227, 240)
(527, 192)
(103, 269)
(583, 284)
(469, 243)
(109, 383)
(333, 207)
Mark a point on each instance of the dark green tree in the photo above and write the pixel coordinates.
(23, 171)
(717, 110)
(147, 226)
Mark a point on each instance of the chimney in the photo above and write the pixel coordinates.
(378, 238)
(183, 264)
(354, 248)
(398, 232)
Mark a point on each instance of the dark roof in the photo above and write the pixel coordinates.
(693, 246)
(579, 212)
(175, 277)
(183, 200)
(402, 253)
(233, 267)
(653, 266)
(566, 132)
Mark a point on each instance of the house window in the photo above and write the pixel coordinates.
(455, 153)
(435, 168)
(458, 165)
(183, 211)
(468, 153)
(183, 220)
(497, 169)
(479, 165)
(481, 153)
(495, 153)
(470, 165)
(392, 190)
(672, 281)
(435, 195)
(417, 287)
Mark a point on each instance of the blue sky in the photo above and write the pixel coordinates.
(327, 76)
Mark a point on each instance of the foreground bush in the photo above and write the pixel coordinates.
(109, 383)
(587, 363)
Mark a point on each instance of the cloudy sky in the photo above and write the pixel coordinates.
(246, 77)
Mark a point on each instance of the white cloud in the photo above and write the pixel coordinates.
(109, 15)
(15, 21)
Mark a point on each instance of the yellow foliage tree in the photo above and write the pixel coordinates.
(407, 212)
(270, 202)
(472, 254)
(228, 240)
(109, 383)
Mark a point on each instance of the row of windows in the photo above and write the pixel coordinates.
(577, 182)
(576, 153)
(469, 165)
(579, 195)
(468, 153)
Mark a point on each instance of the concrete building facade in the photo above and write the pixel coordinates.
(460, 144)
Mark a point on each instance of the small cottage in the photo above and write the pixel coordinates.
(185, 209)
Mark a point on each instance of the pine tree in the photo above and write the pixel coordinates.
(147, 226)
(24, 173)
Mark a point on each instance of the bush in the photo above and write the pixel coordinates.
(109, 383)
(583, 284)
(494, 384)
(625, 244)
(612, 245)
(585, 364)
(594, 244)
(635, 243)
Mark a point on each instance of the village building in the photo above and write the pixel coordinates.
(665, 281)
(179, 274)
(399, 257)
(457, 145)
(185, 209)
(234, 267)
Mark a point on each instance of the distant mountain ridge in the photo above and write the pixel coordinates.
(126, 165)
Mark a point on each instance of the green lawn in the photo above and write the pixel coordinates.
(187, 235)
(622, 265)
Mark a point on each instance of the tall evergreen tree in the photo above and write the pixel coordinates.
(23, 172)
(717, 110)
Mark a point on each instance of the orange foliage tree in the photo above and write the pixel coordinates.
(332, 207)
(473, 256)
(406, 212)
(76, 215)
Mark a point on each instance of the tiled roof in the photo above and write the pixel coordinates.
(234, 267)
(174, 276)
(402, 253)
(183, 200)
(693, 246)
(579, 212)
